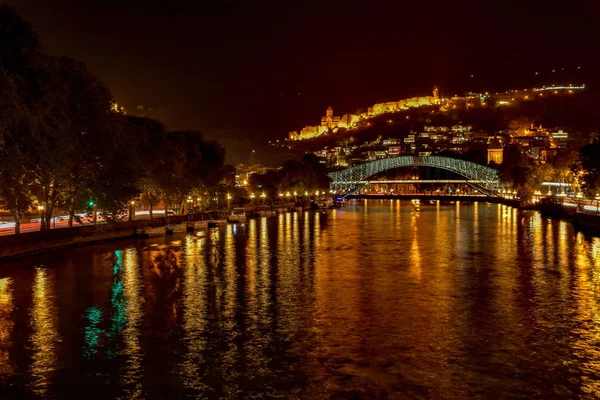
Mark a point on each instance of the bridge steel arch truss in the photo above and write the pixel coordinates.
(349, 180)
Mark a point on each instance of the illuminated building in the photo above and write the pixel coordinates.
(252, 158)
(495, 152)
(330, 122)
(401, 105)
(560, 135)
(394, 150)
(117, 108)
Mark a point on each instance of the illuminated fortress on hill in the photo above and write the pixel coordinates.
(329, 122)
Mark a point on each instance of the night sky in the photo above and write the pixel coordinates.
(256, 69)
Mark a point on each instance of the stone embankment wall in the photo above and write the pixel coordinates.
(26, 244)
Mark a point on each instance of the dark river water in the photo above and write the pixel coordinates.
(376, 300)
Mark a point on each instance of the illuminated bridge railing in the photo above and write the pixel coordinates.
(353, 178)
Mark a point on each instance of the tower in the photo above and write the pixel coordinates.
(329, 112)
(436, 93)
(252, 158)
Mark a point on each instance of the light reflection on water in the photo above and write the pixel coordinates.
(377, 300)
(44, 338)
(6, 324)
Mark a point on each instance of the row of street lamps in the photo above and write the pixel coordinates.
(507, 194)
(190, 200)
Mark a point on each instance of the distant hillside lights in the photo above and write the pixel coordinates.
(329, 122)
(117, 108)
(515, 97)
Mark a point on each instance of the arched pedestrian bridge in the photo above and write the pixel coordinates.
(485, 179)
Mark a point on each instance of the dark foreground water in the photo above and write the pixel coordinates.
(376, 300)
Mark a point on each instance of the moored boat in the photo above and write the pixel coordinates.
(146, 232)
(237, 215)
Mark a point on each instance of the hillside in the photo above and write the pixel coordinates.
(577, 112)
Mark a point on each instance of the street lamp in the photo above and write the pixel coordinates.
(287, 195)
(263, 195)
(189, 204)
(41, 209)
(132, 210)
(92, 204)
(228, 200)
(252, 196)
(579, 196)
(295, 196)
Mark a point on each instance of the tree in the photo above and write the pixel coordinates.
(199, 162)
(476, 155)
(62, 142)
(267, 183)
(590, 168)
(297, 175)
(512, 162)
(20, 65)
(151, 147)
(447, 153)
(319, 169)
(80, 139)
(15, 180)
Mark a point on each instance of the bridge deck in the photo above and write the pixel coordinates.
(415, 181)
(434, 197)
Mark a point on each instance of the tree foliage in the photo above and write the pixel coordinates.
(589, 159)
(61, 141)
